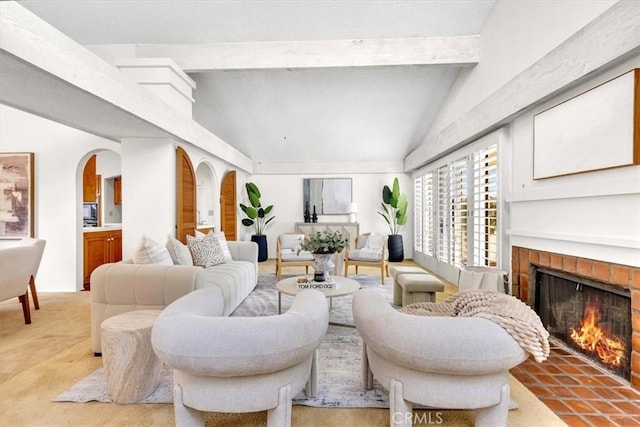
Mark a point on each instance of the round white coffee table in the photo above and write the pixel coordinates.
(344, 287)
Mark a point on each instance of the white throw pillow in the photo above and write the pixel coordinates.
(223, 244)
(151, 252)
(375, 241)
(205, 252)
(180, 253)
(291, 241)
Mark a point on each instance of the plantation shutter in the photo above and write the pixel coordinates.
(428, 231)
(418, 214)
(485, 207)
(458, 194)
(443, 214)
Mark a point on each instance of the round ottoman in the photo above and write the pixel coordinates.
(131, 367)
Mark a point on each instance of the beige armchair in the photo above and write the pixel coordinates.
(287, 255)
(439, 362)
(35, 265)
(371, 251)
(239, 364)
(16, 267)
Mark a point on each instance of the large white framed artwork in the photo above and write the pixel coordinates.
(598, 129)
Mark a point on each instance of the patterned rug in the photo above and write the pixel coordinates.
(339, 355)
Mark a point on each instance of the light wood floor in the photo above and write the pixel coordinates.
(41, 360)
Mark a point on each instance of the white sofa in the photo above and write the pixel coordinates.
(239, 364)
(440, 362)
(124, 286)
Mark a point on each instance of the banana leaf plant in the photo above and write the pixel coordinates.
(257, 216)
(394, 207)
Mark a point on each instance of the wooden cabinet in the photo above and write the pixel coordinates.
(117, 190)
(100, 247)
(89, 181)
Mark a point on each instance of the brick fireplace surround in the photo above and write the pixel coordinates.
(613, 274)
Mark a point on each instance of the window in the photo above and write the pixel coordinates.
(418, 214)
(458, 211)
(427, 234)
(423, 216)
(460, 198)
(485, 207)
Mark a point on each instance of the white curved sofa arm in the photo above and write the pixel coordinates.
(122, 287)
(190, 336)
(446, 345)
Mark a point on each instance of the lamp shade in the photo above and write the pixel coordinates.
(353, 207)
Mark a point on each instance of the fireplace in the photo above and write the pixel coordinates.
(592, 318)
(623, 281)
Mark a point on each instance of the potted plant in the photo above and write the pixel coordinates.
(394, 211)
(323, 245)
(258, 218)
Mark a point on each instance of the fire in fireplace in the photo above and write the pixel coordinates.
(591, 317)
(595, 340)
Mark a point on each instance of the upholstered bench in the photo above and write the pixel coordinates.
(131, 367)
(395, 272)
(418, 288)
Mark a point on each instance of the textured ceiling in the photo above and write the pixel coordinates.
(293, 115)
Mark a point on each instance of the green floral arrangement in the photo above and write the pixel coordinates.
(325, 242)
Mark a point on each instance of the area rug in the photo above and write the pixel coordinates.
(339, 356)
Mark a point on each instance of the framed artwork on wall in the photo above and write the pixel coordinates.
(330, 196)
(16, 195)
(598, 129)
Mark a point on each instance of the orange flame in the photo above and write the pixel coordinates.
(592, 338)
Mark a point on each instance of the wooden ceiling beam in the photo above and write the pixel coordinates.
(453, 51)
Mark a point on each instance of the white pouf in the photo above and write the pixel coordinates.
(131, 367)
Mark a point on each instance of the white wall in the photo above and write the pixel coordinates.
(285, 193)
(517, 34)
(60, 155)
(592, 215)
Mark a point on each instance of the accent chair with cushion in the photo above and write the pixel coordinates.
(287, 246)
(35, 265)
(16, 268)
(370, 251)
(239, 364)
(439, 362)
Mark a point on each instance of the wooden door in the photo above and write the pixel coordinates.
(228, 210)
(89, 189)
(185, 196)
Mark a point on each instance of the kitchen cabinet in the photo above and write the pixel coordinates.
(89, 181)
(117, 190)
(100, 247)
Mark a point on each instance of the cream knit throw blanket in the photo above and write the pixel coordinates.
(514, 316)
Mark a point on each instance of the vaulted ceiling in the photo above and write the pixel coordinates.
(305, 92)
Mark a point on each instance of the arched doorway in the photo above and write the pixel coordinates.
(100, 223)
(207, 214)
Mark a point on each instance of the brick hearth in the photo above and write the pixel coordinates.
(614, 274)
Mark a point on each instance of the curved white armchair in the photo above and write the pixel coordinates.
(440, 362)
(16, 265)
(35, 265)
(238, 364)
